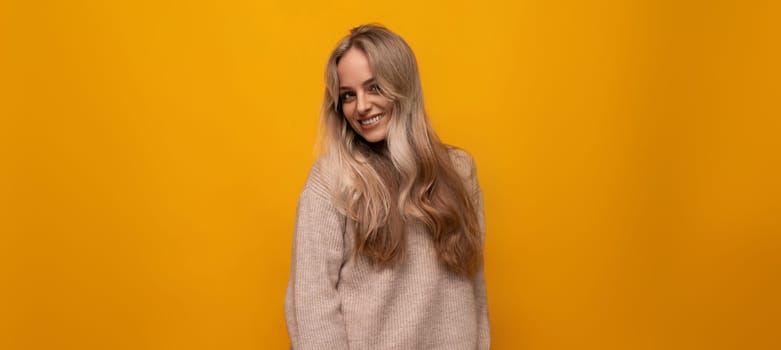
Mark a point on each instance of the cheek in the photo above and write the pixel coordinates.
(347, 110)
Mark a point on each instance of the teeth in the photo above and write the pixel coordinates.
(372, 120)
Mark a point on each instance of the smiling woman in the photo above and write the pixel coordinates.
(388, 243)
(362, 101)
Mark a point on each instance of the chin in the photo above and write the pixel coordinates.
(375, 137)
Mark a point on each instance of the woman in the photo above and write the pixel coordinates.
(387, 250)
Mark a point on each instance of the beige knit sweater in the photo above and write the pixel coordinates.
(336, 302)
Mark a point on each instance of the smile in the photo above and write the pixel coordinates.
(372, 120)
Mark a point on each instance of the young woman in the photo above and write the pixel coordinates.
(388, 242)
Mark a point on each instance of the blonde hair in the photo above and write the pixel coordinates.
(410, 177)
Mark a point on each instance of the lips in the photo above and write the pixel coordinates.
(371, 121)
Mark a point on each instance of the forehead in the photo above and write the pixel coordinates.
(353, 68)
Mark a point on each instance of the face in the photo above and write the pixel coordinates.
(364, 107)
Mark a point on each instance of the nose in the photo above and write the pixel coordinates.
(363, 104)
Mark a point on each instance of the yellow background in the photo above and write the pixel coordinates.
(152, 152)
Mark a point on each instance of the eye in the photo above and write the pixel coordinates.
(347, 96)
(375, 88)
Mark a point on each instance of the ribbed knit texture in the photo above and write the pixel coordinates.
(337, 302)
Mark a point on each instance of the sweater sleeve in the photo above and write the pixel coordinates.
(312, 304)
(484, 328)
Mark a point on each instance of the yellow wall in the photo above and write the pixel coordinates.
(151, 155)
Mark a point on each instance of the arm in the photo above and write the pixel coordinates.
(312, 304)
(484, 327)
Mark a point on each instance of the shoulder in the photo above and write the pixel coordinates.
(463, 163)
(320, 179)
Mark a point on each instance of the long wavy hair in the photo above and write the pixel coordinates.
(410, 177)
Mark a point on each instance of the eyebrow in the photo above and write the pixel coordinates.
(367, 82)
